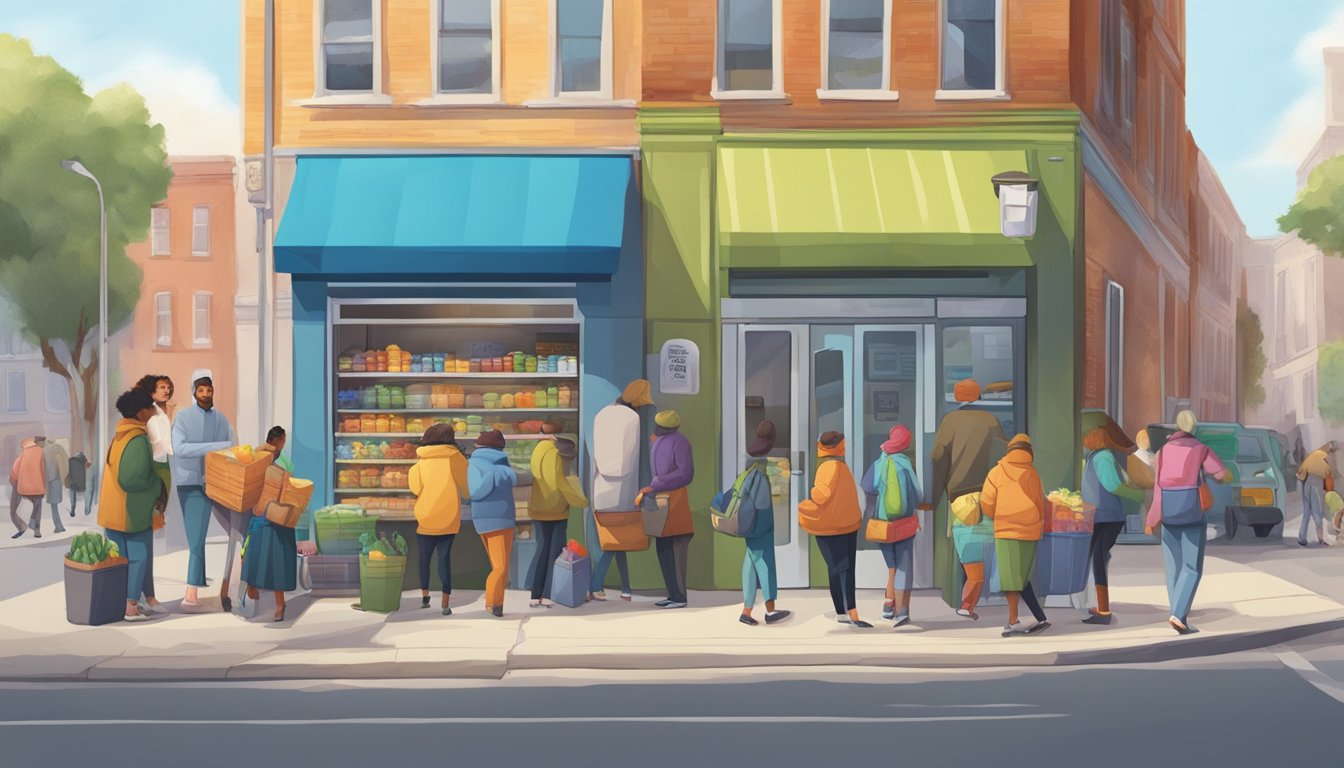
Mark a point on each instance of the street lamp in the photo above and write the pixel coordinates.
(76, 167)
(1017, 193)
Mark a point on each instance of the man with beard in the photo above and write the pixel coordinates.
(197, 431)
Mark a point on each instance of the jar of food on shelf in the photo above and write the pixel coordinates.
(519, 361)
(382, 423)
(474, 365)
(490, 400)
(396, 424)
(562, 397)
(539, 397)
(350, 423)
(508, 363)
(475, 401)
(531, 363)
(416, 426)
(397, 397)
(368, 422)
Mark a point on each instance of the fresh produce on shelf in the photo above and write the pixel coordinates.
(91, 548)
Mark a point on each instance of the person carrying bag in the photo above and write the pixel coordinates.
(890, 520)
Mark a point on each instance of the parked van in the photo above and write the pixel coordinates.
(1256, 492)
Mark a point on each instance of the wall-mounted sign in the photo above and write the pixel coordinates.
(679, 368)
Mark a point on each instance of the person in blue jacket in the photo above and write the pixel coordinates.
(758, 566)
(898, 554)
(490, 480)
(1105, 448)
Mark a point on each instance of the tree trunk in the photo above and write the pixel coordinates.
(83, 411)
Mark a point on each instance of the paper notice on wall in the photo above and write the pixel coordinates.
(679, 368)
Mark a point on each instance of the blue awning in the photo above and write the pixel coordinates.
(546, 217)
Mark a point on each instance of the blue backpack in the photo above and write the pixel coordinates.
(732, 512)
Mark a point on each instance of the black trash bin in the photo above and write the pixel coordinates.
(95, 596)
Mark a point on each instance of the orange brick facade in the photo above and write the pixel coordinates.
(182, 274)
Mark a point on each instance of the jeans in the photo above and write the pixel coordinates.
(603, 564)
(443, 546)
(1104, 536)
(550, 536)
(758, 570)
(197, 509)
(1313, 505)
(839, 552)
(673, 552)
(138, 549)
(900, 556)
(56, 516)
(1183, 557)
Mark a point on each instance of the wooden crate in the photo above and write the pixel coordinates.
(232, 485)
(283, 515)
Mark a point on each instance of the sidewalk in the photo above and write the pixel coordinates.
(1238, 608)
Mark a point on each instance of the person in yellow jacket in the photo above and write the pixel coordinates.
(1014, 499)
(555, 489)
(831, 513)
(439, 482)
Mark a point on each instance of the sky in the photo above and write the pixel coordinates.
(1255, 80)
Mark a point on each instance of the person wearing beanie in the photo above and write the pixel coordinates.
(491, 480)
(963, 452)
(1105, 446)
(555, 490)
(614, 447)
(831, 514)
(893, 490)
(439, 481)
(673, 469)
(1014, 500)
(758, 565)
(133, 495)
(1178, 506)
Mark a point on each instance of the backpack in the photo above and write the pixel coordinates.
(728, 513)
(893, 500)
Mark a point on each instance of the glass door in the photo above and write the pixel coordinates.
(771, 385)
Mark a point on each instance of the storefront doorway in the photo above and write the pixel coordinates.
(812, 378)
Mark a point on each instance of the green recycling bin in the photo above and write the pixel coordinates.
(380, 583)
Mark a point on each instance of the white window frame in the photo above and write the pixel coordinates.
(1000, 91)
(1127, 62)
(195, 225)
(324, 97)
(166, 230)
(53, 380)
(198, 340)
(1113, 289)
(602, 94)
(464, 99)
(776, 90)
(10, 378)
(163, 314)
(881, 93)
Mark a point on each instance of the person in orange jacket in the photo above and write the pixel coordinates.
(831, 513)
(1014, 499)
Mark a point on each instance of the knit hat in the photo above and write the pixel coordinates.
(966, 391)
(637, 393)
(668, 419)
(566, 447)
(491, 438)
(765, 439)
(1020, 442)
(439, 434)
(898, 440)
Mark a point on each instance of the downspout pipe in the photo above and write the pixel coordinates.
(265, 385)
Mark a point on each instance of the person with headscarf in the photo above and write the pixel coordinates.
(1179, 505)
(963, 452)
(1106, 450)
(831, 515)
(614, 448)
(494, 515)
(891, 482)
(1014, 499)
(673, 469)
(759, 572)
(1317, 478)
(439, 481)
(555, 490)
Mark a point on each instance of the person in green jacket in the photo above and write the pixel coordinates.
(126, 507)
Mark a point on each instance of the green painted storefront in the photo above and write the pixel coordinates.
(725, 212)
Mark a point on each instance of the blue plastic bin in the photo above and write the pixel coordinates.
(1061, 563)
(569, 581)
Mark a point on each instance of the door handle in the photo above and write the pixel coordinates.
(797, 470)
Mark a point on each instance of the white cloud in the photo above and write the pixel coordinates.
(184, 95)
(1297, 128)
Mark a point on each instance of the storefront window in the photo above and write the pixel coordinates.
(985, 354)
(768, 396)
(890, 388)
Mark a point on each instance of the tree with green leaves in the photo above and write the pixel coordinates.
(1250, 356)
(1330, 383)
(1318, 214)
(49, 238)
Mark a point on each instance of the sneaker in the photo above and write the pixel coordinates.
(1100, 619)
(969, 614)
(1038, 627)
(775, 617)
(1301, 543)
(60, 530)
(671, 604)
(38, 535)
(158, 609)
(749, 621)
(901, 620)
(662, 603)
(888, 611)
(599, 596)
(1014, 629)
(135, 617)
(627, 597)
(18, 535)
(843, 620)
(190, 607)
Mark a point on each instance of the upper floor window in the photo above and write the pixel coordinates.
(972, 49)
(163, 319)
(582, 48)
(158, 232)
(200, 230)
(467, 63)
(348, 60)
(16, 392)
(856, 53)
(749, 49)
(1129, 73)
(200, 319)
(57, 393)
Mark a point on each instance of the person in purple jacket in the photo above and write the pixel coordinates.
(673, 470)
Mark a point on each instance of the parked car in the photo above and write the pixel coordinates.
(1256, 492)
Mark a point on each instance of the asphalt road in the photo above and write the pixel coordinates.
(1244, 710)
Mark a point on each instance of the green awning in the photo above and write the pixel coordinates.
(858, 194)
